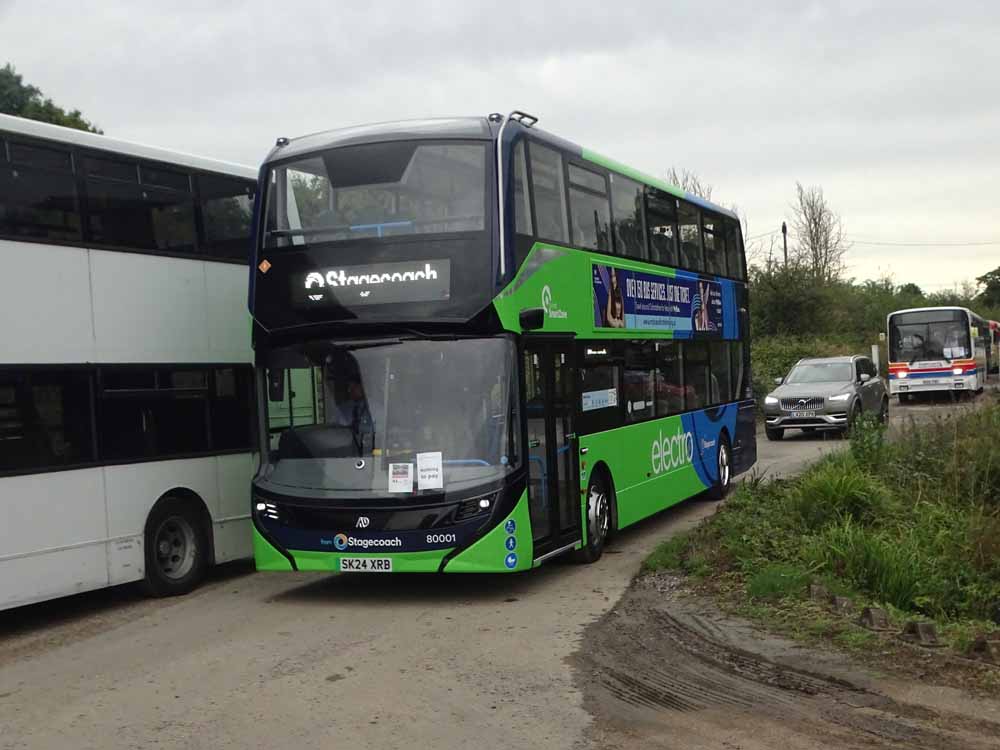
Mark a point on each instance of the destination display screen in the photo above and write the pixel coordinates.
(373, 284)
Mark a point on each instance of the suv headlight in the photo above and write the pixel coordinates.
(770, 400)
(840, 397)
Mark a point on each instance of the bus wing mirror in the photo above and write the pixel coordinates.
(532, 318)
(276, 384)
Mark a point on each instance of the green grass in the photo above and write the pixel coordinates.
(912, 525)
(668, 554)
(777, 582)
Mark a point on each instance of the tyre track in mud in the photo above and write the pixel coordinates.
(667, 670)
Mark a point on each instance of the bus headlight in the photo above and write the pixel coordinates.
(268, 510)
(902, 374)
(956, 371)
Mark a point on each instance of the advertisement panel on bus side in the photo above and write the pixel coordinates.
(645, 301)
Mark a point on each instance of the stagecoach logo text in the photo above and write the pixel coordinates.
(339, 277)
(377, 283)
(550, 307)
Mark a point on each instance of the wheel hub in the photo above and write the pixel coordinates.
(176, 547)
(724, 466)
(597, 512)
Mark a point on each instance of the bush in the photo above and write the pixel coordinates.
(886, 569)
(913, 523)
(868, 442)
(834, 490)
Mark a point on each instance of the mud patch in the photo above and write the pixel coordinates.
(665, 668)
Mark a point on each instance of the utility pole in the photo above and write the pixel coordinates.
(784, 237)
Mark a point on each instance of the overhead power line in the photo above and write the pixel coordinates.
(983, 243)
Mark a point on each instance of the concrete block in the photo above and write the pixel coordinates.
(874, 618)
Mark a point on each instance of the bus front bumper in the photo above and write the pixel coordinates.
(926, 385)
(503, 547)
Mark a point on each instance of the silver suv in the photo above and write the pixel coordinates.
(825, 394)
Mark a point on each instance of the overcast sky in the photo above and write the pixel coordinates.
(892, 107)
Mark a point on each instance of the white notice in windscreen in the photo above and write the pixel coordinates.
(429, 474)
(400, 477)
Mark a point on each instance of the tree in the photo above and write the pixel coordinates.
(911, 290)
(689, 182)
(24, 100)
(821, 240)
(990, 281)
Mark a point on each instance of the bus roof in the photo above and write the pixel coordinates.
(472, 128)
(43, 130)
(925, 309)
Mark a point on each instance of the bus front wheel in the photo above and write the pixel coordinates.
(176, 548)
(598, 519)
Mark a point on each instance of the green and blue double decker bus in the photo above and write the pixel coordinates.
(480, 346)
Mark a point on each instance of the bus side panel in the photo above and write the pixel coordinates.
(51, 326)
(135, 295)
(52, 537)
(228, 334)
(745, 440)
(232, 516)
(654, 464)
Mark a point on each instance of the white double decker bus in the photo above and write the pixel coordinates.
(126, 395)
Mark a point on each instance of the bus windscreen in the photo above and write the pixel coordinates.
(929, 335)
(379, 190)
(369, 419)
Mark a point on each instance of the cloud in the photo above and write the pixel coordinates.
(889, 106)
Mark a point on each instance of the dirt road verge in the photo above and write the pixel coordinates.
(666, 668)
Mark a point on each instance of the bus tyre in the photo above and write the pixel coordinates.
(774, 434)
(176, 548)
(904, 398)
(724, 477)
(598, 520)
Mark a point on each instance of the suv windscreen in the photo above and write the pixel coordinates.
(821, 372)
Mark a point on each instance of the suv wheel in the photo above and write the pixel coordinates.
(852, 420)
(774, 434)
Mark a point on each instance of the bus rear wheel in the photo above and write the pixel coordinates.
(724, 461)
(598, 520)
(176, 548)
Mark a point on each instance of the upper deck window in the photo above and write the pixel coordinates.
(377, 190)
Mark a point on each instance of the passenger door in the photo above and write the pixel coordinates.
(550, 405)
